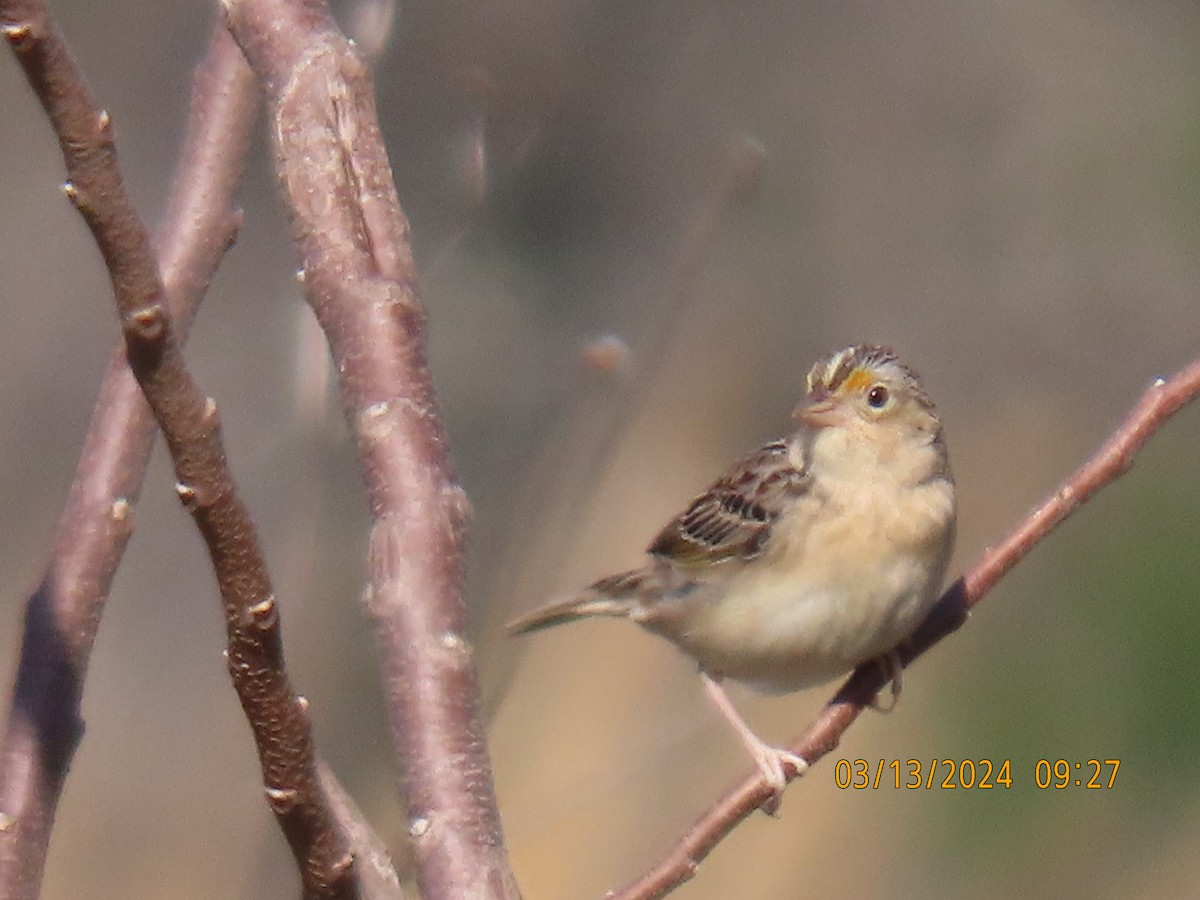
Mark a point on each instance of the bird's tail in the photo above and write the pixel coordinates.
(615, 596)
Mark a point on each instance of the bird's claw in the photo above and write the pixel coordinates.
(892, 667)
(771, 762)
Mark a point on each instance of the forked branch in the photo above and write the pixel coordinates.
(1159, 403)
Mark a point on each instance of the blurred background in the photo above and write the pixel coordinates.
(637, 225)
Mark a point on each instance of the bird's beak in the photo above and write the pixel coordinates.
(819, 410)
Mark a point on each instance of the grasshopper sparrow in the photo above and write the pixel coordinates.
(809, 556)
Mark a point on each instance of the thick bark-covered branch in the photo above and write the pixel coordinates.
(352, 240)
(1161, 400)
(278, 718)
(63, 613)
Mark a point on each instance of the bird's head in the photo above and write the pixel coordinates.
(864, 409)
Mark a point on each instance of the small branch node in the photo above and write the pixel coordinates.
(403, 302)
(7, 821)
(343, 864)
(210, 409)
(104, 126)
(300, 276)
(302, 709)
(147, 323)
(281, 800)
(374, 422)
(120, 509)
(453, 642)
(419, 827)
(264, 614)
(186, 494)
(70, 192)
(18, 34)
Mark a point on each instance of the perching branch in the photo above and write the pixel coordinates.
(352, 240)
(278, 718)
(62, 615)
(1158, 404)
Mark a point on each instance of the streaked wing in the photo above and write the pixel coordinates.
(733, 518)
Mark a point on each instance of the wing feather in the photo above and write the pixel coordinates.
(733, 518)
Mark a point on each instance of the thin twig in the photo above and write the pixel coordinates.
(189, 421)
(63, 613)
(352, 240)
(1158, 404)
(376, 871)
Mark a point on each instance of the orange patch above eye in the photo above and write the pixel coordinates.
(858, 380)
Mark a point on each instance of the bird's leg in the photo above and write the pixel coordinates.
(771, 761)
(891, 664)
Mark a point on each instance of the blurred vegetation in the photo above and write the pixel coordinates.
(1006, 193)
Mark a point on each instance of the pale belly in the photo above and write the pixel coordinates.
(834, 588)
(782, 637)
(781, 627)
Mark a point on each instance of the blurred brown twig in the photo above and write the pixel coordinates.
(1160, 402)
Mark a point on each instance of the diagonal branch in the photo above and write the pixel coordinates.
(1158, 404)
(376, 872)
(352, 239)
(278, 718)
(63, 613)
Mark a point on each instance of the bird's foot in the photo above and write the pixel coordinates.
(773, 763)
(892, 667)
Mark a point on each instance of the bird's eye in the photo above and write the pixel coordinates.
(877, 397)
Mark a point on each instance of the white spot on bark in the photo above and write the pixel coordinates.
(419, 827)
